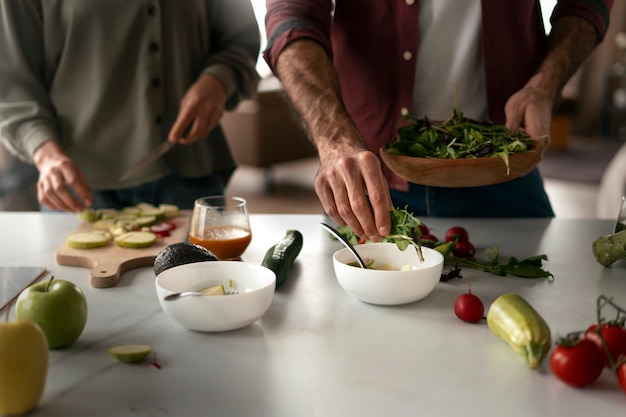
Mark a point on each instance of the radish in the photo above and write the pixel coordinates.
(469, 307)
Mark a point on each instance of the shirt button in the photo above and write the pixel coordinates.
(407, 56)
(154, 47)
(156, 82)
(404, 111)
(152, 11)
(410, 2)
(158, 119)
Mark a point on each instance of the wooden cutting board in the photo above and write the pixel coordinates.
(109, 262)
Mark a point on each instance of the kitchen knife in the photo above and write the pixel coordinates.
(152, 156)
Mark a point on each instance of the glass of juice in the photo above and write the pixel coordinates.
(221, 224)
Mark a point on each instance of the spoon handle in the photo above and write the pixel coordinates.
(347, 244)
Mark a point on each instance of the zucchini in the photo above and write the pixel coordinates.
(280, 257)
(516, 322)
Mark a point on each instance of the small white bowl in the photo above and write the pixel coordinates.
(388, 287)
(254, 284)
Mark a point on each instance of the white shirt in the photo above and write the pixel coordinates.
(450, 60)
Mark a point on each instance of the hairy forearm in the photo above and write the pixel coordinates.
(570, 42)
(312, 86)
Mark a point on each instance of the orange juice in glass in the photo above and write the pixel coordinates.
(221, 224)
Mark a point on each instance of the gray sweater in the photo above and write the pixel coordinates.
(105, 78)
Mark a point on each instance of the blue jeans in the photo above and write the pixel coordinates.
(521, 197)
(169, 190)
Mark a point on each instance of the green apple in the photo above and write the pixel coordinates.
(23, 368)
(59, 307)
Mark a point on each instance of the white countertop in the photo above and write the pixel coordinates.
(320, 352)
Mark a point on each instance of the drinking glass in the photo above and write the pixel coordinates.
(621, 217)
(221, 224)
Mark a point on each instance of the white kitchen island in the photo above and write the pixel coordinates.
(320, 352)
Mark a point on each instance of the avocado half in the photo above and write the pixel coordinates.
(179, 254)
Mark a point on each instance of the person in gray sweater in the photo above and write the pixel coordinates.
(88, 88)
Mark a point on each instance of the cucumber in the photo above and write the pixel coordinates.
(87, 240)
(135, 240)
(280, 257)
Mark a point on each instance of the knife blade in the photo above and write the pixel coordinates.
(149, 159)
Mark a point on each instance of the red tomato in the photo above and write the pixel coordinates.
(424, 229)
(579, 364)
(621, 376)
(464, 250)
(615, 338)
(457, 234)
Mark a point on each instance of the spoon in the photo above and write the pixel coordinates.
(347, 244)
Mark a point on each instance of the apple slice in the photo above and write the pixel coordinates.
(87, 240)
(214, 290)
(170, 210)
(135, 240)
(130, 353)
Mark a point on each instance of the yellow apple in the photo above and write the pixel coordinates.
(23, 367)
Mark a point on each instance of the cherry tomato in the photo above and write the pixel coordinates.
(424, 229)
(579, 364)
(464, 250)
(615, 338)
(621, 376)
(457, 234)
(469, 307)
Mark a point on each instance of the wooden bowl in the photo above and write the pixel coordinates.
(474, 172)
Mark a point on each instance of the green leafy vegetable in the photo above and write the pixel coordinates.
(404, 226)
(405, 232)
(457, 138)
(526, 268)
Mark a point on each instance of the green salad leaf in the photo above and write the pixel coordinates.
(457, 138)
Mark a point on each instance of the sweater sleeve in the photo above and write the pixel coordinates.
(235, 49)
(26, 115)
(596, 12)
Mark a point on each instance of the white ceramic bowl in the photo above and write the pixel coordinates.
(255, 285)
(385, 287)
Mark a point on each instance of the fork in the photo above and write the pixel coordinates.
(178, 295)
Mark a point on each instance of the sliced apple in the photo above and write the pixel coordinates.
(170, 210)
(136, 240)
(214, 290)
(130, 353)
(87, 240)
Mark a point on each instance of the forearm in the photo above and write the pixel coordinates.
(571, 41)
(311, 84)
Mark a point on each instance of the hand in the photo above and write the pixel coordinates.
(200, 111)
(57, 176)
(344, 181)
(530, 108)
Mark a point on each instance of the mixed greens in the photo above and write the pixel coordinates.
(457, 138)
(405, 231)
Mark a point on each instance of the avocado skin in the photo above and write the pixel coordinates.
(179, 254)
